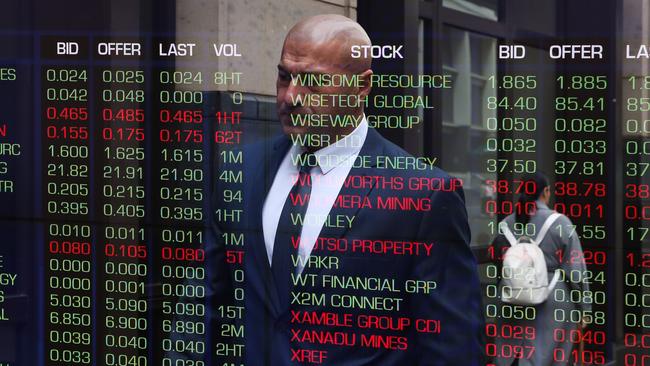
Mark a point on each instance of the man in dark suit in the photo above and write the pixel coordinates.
(355, 253)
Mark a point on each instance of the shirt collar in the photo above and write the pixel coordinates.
(340, 151)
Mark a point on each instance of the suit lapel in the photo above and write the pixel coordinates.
(373, 146)
(264, 168)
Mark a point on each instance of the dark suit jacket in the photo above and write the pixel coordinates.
(269, 326)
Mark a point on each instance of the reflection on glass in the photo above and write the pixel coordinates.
(487, 9)
(471, 60)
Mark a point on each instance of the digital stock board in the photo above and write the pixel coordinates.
(283, 182)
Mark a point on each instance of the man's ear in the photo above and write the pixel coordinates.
(365, 87)
(547, 193)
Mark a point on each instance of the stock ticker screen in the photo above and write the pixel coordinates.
(324, 182)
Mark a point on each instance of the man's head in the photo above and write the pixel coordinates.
(321, 45)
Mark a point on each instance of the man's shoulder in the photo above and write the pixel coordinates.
(264, 145)
(251, 155)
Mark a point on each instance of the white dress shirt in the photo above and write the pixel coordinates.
(334, 164)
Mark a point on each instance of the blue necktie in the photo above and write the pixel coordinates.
(283, 248)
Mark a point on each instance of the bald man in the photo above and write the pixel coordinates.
(347, 261)
(321, 45)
